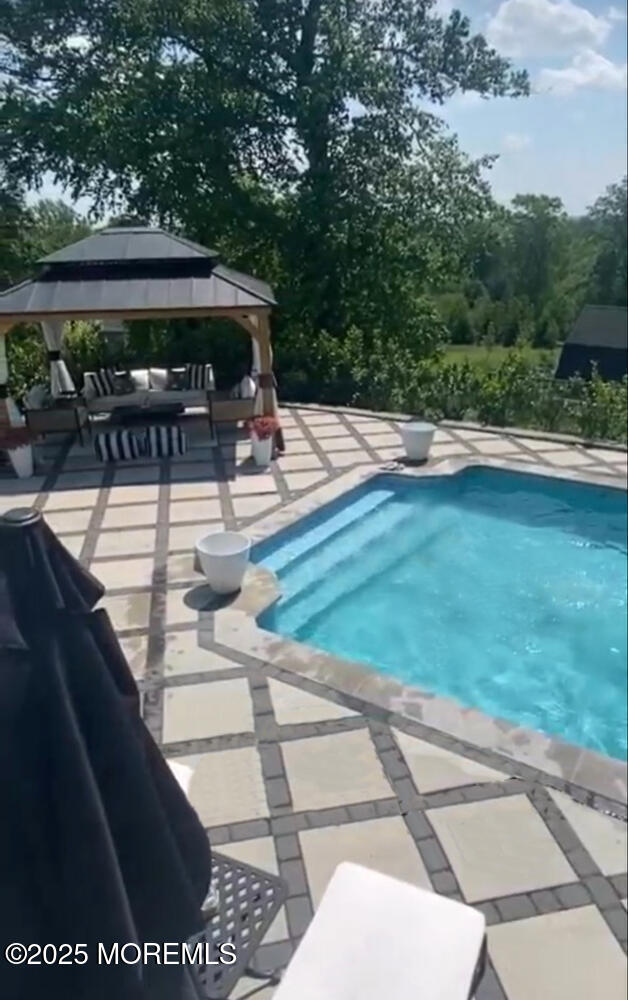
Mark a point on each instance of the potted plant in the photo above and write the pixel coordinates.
(262, 431)
(17, 442)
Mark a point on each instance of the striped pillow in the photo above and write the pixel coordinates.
(100, 383)
(197, 376)
(162, 441)
(116, 445)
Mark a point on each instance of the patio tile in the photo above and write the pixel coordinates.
(293, 705)
(10, 487)
(453, 448)
(335, 431)
(226, 786)
(136, 474)
(135, 648)
(605, 454)
(181, 567)
(603, 836)
(252, 506)
(184, 655)
(74, 544)
(261, 854)
(136, 493)
(368, 426)
(342, 459)
(184, 471)
(252, 483)
(390, 454)
(496, 445)
(344, 442)
(292, 463)
(195, 510)
(318, 419)
(128, 610)
(441, 436)
(180, 608)
(471, 434)
(62, 522)
(303, 480)
(198, 711)
(124, 572)
(559, 956)
(388, 439)
(79, 480)
(434, 769)
(334, 770)
(567, 458)
(499, 847)
(24, 499)
(185, 537)
(382, 844)
(194, 490)
(132, 515)
(119, 543)
(539, 444)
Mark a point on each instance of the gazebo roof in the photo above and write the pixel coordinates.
(132, 243)
(132, 272)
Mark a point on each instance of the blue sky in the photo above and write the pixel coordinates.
(569, 137)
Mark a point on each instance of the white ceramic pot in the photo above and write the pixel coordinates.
(224, 556)
(261, 449)
(22, 461)
(417, 437)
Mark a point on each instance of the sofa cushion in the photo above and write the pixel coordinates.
(178, 379)
(123, 384)
(113, 445)
(162, 441)
(158, 378)
(198, 376)
(100, 383)
(140, 378)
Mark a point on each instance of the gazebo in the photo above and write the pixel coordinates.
(129, 274)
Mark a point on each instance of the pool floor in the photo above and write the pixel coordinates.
(504, 591)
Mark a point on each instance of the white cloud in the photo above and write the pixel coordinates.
(616, 14)
(514, 142)
(587, 69)
(545, 27)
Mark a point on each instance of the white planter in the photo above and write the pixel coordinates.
(261, 449)
(417, 438)
(22, 461)
(224, 556)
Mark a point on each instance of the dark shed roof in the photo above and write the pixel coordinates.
(601, 326)
(131, 270)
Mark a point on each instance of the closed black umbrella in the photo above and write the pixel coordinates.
(98, 844)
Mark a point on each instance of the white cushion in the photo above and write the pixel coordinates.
(140, 377)
(158, 378)
(373, 937)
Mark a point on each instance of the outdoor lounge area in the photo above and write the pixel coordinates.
(289, 772)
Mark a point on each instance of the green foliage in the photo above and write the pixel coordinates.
(607, 221)
(291, 136)
(27, 360)
(601, 408)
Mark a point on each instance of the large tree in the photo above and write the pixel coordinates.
(291, 133)
(607, 219)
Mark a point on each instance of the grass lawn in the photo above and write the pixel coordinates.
(490, 357)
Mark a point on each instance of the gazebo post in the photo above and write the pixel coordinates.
(9, 414)
(258, 326)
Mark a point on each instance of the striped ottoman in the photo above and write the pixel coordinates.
(111, 446)
(164, 441)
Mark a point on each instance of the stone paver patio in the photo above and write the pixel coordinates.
(292, 776)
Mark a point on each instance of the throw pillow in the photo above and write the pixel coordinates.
(197, 377)
(140, 379)
(122, 384)
(158, 378)
(177, 379)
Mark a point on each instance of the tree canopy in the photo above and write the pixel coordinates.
(295, 135)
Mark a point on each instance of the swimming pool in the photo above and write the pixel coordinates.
(502, 590)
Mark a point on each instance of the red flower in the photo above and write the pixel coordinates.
(262, 427)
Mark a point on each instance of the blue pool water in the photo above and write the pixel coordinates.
(502, 590)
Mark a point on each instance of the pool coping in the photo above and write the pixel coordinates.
(235, 625)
